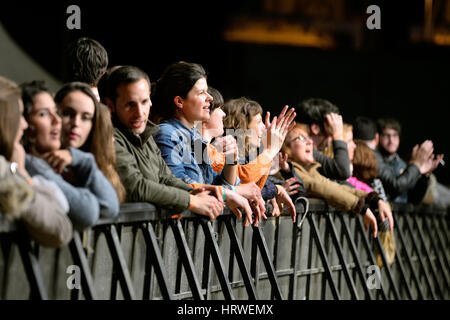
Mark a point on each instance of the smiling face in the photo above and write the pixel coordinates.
(257, 127)
(300, 147)
(45, 124)
(195, 107)
(132, 105)
(77, 112)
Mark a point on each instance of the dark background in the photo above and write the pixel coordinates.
(387, 76)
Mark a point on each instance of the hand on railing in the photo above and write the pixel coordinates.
(283, 199)
(385, 212)
(204, 204)
(369, 219)
(252, 193)
(234, 201)
(275, 208)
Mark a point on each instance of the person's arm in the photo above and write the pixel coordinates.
(337, 168)
(395, 185)
(83, 163)
(174, 196)
(84, 206)
(45, 219)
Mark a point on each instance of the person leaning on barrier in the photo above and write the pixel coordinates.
(87, 190)
(299, 150)
(38, 203)
(86, 125)
(144, 173)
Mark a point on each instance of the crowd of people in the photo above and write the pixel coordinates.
(110, 135)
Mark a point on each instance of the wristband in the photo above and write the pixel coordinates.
(232, 188)
(223, 193)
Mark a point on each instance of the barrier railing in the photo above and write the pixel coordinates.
(144, 254)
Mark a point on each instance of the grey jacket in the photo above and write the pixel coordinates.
(337, 168)
(93, 193)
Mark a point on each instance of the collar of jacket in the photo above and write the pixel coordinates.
(314, 166)
(194, 134)
(140, 140)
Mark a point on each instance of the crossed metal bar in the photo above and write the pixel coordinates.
(420, 238)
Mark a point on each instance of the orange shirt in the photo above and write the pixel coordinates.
(255, 171)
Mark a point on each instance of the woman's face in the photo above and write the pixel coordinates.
(195, 107)
(301, 147)
(23, 125)
(45, 123)
(215, 122)
(351, 146)
(257, 128)
(77, 113)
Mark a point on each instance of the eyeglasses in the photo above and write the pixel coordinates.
(392, 135)
(300, 138)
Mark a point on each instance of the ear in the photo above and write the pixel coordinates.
(377, 139)
(110, 104)
(315, 129)
(178, 102)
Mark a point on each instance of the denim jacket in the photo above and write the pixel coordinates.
(184, 151)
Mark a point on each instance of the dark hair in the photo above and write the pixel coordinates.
(88, 59)
(217, 98)
(364, 129)
(100, 139)
(84, 88)
(176, 80)
(314, 110)
(391, 123)
(29, 91)
(119, 75)
(9, 116)
(102, 83)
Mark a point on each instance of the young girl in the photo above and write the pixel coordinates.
(86, 125)
(86, 188)
(244, 119)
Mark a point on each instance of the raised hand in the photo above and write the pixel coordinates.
(276, 131)
(334, 126)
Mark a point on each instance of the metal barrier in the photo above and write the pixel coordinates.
(144, 254)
